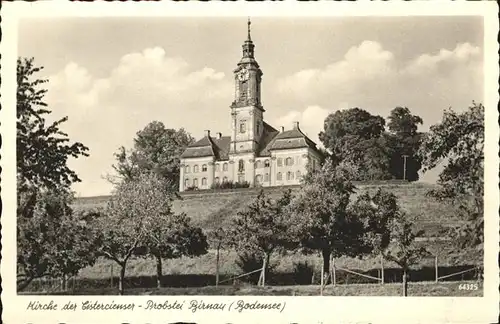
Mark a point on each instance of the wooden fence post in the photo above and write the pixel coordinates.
(111, 275)
(334, 273)
(217, 267)
(322, 279)
(436, 268)
(264, 271)
(382, 275)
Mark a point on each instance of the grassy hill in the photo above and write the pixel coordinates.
(212, 208)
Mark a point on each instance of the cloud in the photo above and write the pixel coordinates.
(310, 121)
(368, 61)
(142, 87)
(464, 55)
(372, 78)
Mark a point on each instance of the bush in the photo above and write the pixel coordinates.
(303, 273)
(230, 185)
(251, 261)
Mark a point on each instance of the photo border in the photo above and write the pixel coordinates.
(321, 309)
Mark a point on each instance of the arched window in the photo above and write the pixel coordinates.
(289, 161)
(243, 127)
(224, 180)
(280, 162)
(224, 167)
(195, 168)
(195, 182)
(204, 168)
(298, 175)
(258, 179)
(186, 182)
(289, 175)
(278, 176)
(266, 163)
(217, 180)
(241, 165)
(204, 181)
(266, 177)
(187, 169)
(258, 164)
(258, 128)
(217, 167)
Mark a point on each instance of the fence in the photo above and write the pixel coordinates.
(337, 275)
(381, 273)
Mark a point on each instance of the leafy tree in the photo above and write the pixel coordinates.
(139, 221)
(355, 136)
(377, 212)
(403, 139)
(43, 182)
(320, 218)
(54, 241)
(218, 238)
(124, 223)
(403, 249)
(261, 227)
(172, 236)
(169, 235)
(458, 142)
(42, 149)
(156, 148)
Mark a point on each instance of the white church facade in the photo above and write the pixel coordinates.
(255, 152)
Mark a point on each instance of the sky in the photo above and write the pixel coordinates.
(112, 76)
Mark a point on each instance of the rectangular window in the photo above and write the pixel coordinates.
(280, 162)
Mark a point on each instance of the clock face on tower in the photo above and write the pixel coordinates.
(243, 75)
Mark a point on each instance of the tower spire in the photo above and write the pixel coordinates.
(248, 46)
(249, 23)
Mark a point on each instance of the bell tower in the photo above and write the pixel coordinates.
(246, 109)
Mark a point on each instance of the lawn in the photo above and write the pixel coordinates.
(205, 264)
(393, 289)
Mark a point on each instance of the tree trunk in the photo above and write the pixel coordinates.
(159, 271)
(217, 266)
(64, 282)
(268, 256)
(405, 282)
(265, 265)
(326, 264)
(122, 278)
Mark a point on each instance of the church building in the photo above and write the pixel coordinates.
(255, 152)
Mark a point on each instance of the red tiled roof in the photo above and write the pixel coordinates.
(209, 146)
(271, 140)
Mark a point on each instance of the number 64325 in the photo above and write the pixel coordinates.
(468, 286)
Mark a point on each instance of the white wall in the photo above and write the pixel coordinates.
(215, 169)
(299, 163)
(191, 175)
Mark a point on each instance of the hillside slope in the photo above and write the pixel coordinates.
(210, 209)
